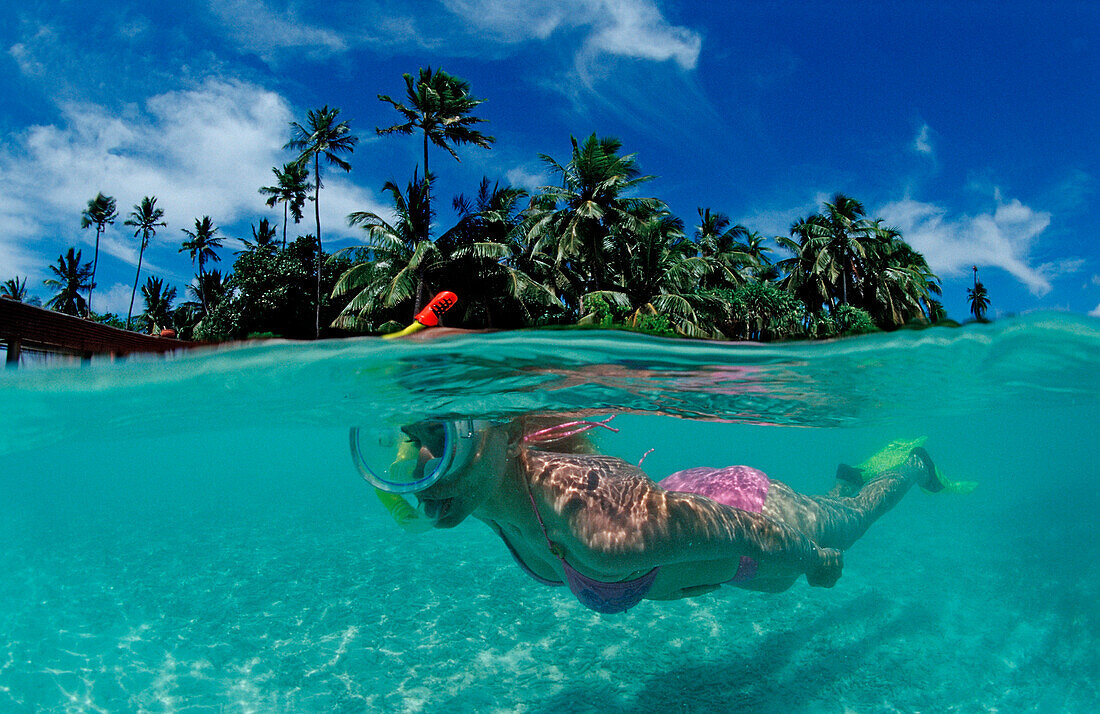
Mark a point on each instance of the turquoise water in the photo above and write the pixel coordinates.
(190, 535)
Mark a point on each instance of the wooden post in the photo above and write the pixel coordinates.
(13, 354)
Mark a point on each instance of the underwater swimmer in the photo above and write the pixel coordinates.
(602, 527)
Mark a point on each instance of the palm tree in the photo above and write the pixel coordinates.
(575, 220)
(263, 235)
(480, 258)
(402, 256)
(201, 244)
(158, 304)
(292, 185)
(661, 274)
(757, 252)
(321, 136)
(70, 277)
(936, 311)
(810, 276)
(486, 260)
(14, 289)
(101, 212)
(979, 297)
(209, 290)
(898, 283)
(145, 218)
(722, 249)
(841, 235)
(439, 106)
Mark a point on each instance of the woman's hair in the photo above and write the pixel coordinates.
(559, 434)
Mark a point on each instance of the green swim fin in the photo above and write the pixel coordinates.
(897, 453)
(956, 487)
(890, 456)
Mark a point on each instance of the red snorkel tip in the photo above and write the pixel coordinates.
(441, 303)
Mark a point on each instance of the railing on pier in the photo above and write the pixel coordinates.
(27, 326)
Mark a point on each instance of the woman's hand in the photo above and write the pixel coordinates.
(825, 573)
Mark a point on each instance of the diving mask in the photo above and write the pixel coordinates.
(415, 457)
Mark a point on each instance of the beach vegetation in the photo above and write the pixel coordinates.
(978, 297)
(322, 136)
(595, 248)
(14, 289)
(158, 298)
(440, 107)
(145, 218)
(291, 188)
(202, 244)
(70, 277)
(270, 291)
(101, 212)
(263, 236)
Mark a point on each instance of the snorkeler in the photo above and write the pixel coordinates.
(601, 526)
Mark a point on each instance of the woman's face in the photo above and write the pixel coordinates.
(457, 495)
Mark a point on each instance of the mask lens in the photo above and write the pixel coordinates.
(431, 435)
(401, 461)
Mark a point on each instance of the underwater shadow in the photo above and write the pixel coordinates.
(783, 671)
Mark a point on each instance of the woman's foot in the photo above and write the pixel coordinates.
(929, 480)
(849, 480)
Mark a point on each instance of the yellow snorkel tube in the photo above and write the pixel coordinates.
(403, 512)
(429, 316)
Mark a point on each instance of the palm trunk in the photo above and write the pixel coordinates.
(141, 254)
(419, 291)
(427, 194)
(202, 292)
(427, 228)
(284, 224)
(95, 263)
(317, 215)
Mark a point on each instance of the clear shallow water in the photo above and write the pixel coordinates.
(190, 535)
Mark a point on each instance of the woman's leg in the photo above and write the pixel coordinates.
(839, 521)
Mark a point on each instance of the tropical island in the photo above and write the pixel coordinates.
(590, 250)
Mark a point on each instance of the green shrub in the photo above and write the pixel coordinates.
(853, 320)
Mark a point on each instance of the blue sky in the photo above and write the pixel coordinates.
(970, 126)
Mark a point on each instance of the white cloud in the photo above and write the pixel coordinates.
(625, 28)
(265, 32)
(1096, 279)
(1095, 312)
(23, 57)
(528, 178)
(923, 142)
(1065, 266)
(116, 299)
(637, 29)
(203, 151)
(1003, 238)
(777, 221)
(15, 259)
(339, 197)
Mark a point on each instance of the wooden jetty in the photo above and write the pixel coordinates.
(26, 326)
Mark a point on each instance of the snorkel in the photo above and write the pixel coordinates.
(429, 316)
(403, 512)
